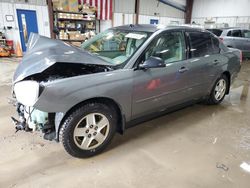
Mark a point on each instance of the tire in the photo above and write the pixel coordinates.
(84, 132)
(215, 99)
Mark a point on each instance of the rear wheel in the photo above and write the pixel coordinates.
(219, 90)
(88, 130)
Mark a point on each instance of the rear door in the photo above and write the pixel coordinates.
(201, 64)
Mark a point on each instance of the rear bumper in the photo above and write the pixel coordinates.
(235, 74)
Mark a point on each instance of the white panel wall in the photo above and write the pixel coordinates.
(124, 12)
(105, 24)
(123, 19)
(144, 19)
(221, 8)
(150, 7)
(232, 12)
(10, 9)
(124, 6)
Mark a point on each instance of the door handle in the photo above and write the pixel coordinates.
(183, 69)
(216, 62)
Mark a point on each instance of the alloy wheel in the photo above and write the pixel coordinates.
(220, 89)
(91, 131)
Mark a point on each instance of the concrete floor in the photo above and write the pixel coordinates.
(200, 146)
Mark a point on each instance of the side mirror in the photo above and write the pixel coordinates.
(152, 62)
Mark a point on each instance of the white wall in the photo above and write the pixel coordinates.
(150, 7)
(124, 12)
(10, 9)
(233, 12)
(221, 8)
(124, 6)
(145, 19)
(105, 24)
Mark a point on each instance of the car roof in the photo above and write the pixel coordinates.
(154, 28)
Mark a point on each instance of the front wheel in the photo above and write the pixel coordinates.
(219, 90)
(88, 130)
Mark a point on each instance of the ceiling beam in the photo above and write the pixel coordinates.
(174, 4)
(137, 9)
(189, 9)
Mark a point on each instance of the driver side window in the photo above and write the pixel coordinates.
(170, 47)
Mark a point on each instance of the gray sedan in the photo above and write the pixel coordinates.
(122, 76)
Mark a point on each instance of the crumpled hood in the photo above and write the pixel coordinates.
(43, 52)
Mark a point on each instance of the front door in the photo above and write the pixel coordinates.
(27, 23)
(156, 89)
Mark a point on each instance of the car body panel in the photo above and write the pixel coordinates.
(240, 43)
(153, 90)
(116, 85)
(137, 92)
(44, 52)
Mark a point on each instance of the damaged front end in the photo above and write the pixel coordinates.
(47, 61)
(31, 119)
(26, 93)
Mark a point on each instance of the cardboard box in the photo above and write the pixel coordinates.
(78, 44)
(73, 5)
(61, 5)
(76, 36)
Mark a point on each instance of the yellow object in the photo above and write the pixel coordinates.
(61, 5)
(4, 52)
(73, 5)
(19, 52)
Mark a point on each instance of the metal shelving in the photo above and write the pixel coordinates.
(79, 24)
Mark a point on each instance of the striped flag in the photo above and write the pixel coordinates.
(104, 8)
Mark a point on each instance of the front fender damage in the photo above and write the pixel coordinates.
(32, 119)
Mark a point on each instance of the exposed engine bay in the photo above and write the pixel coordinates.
(66, 70)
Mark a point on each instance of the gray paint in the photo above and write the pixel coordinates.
(42, 52)
(240, 43)
(126, 86)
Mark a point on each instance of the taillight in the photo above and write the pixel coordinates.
(221, 39)
(241, 57)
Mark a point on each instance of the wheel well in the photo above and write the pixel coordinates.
(109, 102)
(227, 74)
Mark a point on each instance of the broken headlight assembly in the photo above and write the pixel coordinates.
(27, 92)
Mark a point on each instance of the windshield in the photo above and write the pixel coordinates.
(115, 46)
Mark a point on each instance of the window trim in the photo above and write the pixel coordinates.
(212, 37)
(157, 37)
(233, 30)
(189, 42)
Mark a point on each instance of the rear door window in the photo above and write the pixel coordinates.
(200, 44)
(229, 33)
(236, 33)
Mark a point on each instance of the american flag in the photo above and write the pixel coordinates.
(104, 8)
